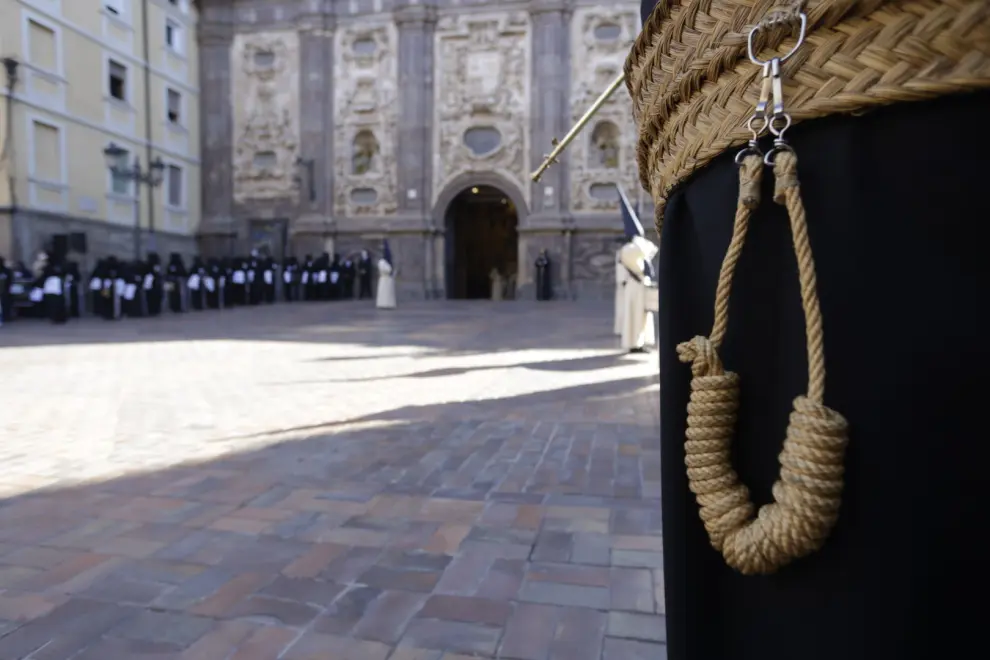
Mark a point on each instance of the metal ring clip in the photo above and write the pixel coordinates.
(756, 28)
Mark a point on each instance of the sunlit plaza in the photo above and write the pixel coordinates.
(463, 479)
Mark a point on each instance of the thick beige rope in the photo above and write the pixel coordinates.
(808, 493)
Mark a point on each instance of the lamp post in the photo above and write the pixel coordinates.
(152, 177)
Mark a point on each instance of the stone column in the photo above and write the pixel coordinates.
(415, 23)
(548, 103)
(548, 225)
(316, 87)
(217, 224)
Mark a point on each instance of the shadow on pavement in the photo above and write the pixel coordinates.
(432, 325)
(451, 527)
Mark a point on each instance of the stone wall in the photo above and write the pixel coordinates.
(103, 239)
(355, 121)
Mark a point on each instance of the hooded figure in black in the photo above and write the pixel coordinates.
(53, 286)
(211, 284)
(544, 287)
(73, 289)
(114, 286)
(269, 274)
(256, 284)
(196, 284)
(364, 275)
(335, 283)
(154, 285)
(307, 278)
(239, 282)
(130, 302)
(290, 280)
(323, 277)
(347, 279)
(95, 287)
(175, 282)
(6, 300)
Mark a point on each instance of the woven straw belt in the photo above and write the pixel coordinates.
(704, 76)
(693, 86)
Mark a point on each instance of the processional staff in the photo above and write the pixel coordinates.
(560, 145)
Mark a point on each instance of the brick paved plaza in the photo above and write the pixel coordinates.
(326, 481)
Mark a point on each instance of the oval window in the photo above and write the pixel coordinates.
(606, 192)
(265, 160)
(264, 59)
(607, 32)
(364, 46)
(364, 196)
(482, 140)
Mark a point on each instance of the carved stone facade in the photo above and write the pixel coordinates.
(365, 112)
(482, 91)
(605, 153)
(265, 104)
(382, 112)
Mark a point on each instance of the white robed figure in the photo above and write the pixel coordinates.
(639, 291)
(385, 295)
(620, 291)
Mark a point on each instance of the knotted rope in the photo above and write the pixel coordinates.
(808, 493)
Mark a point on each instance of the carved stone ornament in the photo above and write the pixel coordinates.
(265, 88)
(482, 79)
(604, 153)
(366, 82)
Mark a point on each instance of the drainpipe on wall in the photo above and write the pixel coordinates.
(7, 154)
(147, 124)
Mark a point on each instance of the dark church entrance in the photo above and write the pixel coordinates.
(481, 236)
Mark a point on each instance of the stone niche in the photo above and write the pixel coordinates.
(604, 154)
(365, 115)
(481, 97)
(265, 96)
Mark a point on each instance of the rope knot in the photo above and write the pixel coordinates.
(750, 177)
(702, 355)
(785, 174)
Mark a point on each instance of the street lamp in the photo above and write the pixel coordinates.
(152, 177)
(10, 66)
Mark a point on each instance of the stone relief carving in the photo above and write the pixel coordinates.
(365, 111)
(605, 153)
(265, 85)
(481, 96)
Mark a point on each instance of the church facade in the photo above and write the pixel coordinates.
(332, 125)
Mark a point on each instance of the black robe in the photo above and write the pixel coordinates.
(196, 284)
(308, 279)
(154, 286)
(6, 299)
(895, 222)
(53, 286)
(268, 278)
(255, 284)
(347, 280)
(113, 290)
(334, 278)
(364, 277)
(290, 280)
(175, 278)
(73, 290)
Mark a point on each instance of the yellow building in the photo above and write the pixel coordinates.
(89, 74)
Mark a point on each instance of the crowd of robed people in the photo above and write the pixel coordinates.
(116, 288)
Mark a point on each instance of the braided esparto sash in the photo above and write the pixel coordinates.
(694, 87)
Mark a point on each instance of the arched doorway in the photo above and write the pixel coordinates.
(481, 223)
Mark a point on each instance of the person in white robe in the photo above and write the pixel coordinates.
(638, 322)
(620, 291)
(385, 296)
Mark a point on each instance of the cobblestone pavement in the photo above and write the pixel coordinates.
(441, 482)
